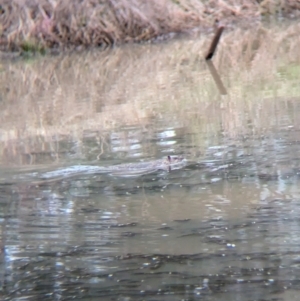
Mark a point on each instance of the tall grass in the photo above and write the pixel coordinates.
(50, 100)
(36, 25)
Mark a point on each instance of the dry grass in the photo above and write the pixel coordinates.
(54, 99)
(36, 25)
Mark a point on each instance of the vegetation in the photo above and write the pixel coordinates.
(53, 103)
(35, 25)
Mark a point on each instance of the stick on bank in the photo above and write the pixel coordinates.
(214, 43)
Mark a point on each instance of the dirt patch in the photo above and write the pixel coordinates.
(38, 25)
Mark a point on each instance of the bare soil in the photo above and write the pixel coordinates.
(39, 25)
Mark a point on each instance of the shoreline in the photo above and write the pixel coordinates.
(35, 26)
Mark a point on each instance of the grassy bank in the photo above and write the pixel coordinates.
(38, 25)
(82, 99)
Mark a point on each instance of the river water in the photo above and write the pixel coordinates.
(223, 227)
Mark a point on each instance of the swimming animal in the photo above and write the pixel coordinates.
(127, 169)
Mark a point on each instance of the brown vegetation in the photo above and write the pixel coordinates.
(49, 102)
(36, 25)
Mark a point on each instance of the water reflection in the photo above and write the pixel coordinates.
(216, 77)
(225, 226)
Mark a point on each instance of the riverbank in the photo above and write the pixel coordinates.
(39, 26)
(84, 99)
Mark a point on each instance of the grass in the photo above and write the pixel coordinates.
(93, 95)
(64, 24)
(30, 46)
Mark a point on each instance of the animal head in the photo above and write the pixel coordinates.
(175, 159)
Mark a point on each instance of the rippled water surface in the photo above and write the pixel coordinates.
(222, 226)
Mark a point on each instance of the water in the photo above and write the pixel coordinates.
(223, 227)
